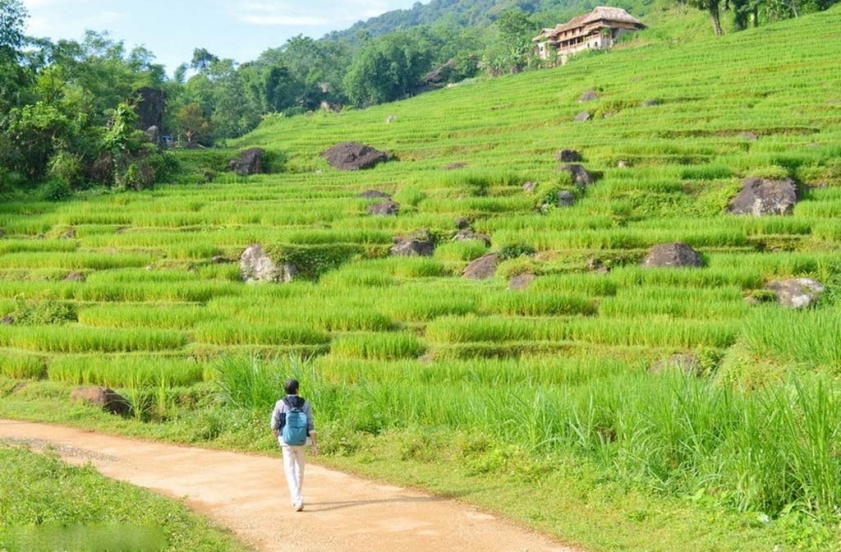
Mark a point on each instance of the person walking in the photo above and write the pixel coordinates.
(292, 425)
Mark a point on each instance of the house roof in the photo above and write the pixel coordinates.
(611, 14)
(600, 13)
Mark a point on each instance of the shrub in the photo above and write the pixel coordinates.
(56, 189)
(514, 250)
(312, 261)
(45, 312)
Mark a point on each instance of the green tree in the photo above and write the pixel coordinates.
(192, 124)
(13, 77)
(387, 68)
(713, 7)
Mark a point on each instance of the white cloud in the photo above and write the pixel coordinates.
(301, 13)
(70, 18)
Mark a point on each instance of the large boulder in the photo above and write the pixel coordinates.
(797, 293)
(255, 266)
(569, 156)
(353, 156)
(482, 268)
(248, 162)
(760, 197)
(384, 209)
(673, 255)
(417, 244)
(102, 397)
(579, 174)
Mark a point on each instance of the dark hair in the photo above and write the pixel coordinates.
(291, 387)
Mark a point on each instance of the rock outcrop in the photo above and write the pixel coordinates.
(248, 162)
(797, 293)
(417, 244)
(384, 209)
(580, 176)
(673, 255)
(760, 197)
(482, 268)
(255, 266)
(101, 397)
(353, 156)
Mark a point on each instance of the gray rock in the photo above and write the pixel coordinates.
(797, 293)
(418, 244)
(353, 156)
(580, 176)
(566, 198)
(255, 266)
(248, 162)
(530, 187)
(760, 197)
(482, 268)
(673, 255)
(651, 103)
(521, 281)
(588, 96)
(390, 119)
(385, 209)
(621, 164)
(569, 156)
(463, 223)
(69, 235)
(153, 134)
(583, 116)
(102, 397)
(466, 234)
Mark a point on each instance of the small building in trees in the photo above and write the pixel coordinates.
(597, 30)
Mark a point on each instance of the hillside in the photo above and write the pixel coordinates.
(473, 13)
(566, 405)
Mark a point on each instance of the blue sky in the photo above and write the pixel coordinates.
(237, 29)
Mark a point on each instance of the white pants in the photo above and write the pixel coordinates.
(293, 465)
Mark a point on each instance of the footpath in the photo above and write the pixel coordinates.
(247, 494)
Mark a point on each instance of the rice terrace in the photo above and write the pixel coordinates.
(547, 302)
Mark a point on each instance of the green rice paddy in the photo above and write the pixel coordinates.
(403, 342)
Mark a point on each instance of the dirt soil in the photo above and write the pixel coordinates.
(247, 494)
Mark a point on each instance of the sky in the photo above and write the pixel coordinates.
(236, 29)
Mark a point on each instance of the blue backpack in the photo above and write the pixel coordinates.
(294, 430)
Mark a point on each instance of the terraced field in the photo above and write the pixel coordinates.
(399, 342)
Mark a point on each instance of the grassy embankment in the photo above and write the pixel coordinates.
(539, 404)
(47, 505)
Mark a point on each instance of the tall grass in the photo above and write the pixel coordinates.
(808, 338)
(254, 383)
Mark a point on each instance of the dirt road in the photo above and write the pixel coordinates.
(247, 493)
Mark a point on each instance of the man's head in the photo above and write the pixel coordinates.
(291, 387)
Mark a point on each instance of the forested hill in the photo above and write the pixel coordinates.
(460, 14)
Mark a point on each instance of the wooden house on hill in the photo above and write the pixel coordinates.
(597, 30)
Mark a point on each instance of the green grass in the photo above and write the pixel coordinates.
(552, 383)
(49, 505)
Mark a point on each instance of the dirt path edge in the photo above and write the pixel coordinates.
(247, 494)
